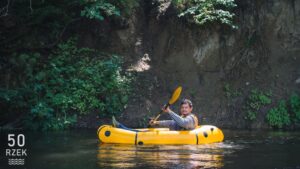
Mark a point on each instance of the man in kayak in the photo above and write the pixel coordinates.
(187, 120)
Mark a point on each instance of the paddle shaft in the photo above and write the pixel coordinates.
(167, 105)
(172, 100)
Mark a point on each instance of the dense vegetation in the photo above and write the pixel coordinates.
(48, 80)
(255, 101)
(36, 25)
(285, 113)
(203, 12)
(279, 116)
(70, 82)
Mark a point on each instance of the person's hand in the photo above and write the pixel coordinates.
(166, 109)
(152, 122)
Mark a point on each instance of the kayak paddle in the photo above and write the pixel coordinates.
(172, 100)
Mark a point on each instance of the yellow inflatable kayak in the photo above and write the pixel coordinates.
(201, 135)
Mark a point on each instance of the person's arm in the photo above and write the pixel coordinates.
(166, 123)
(187, 123)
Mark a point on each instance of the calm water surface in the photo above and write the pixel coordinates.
(81, 149)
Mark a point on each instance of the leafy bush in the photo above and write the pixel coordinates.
(202, 12)
(55, 89)
(95, 10)
(42, 24)
(99, 8)
(251, 115)
(279, 116)
(229, 92)
(255, 101)
(295, 106)
(258, 99)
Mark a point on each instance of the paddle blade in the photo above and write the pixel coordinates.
(175, 95)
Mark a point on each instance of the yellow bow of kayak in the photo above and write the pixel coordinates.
(203, 134)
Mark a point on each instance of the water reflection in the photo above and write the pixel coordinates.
(164, 156)
(80, 149)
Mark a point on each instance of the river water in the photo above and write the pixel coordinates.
(80, 149)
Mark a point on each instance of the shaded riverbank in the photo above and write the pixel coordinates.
(237, 78)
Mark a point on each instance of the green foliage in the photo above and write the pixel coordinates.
(295, 106)
(97, 9)
(44, 23)
(251, 115)
(229, 92)
(203, 12)
(255, 101)
(70, 82)
(58, 83)
(279, 116)
(258, 99)
(285, 113)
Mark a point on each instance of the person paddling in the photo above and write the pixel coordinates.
(187, 120)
